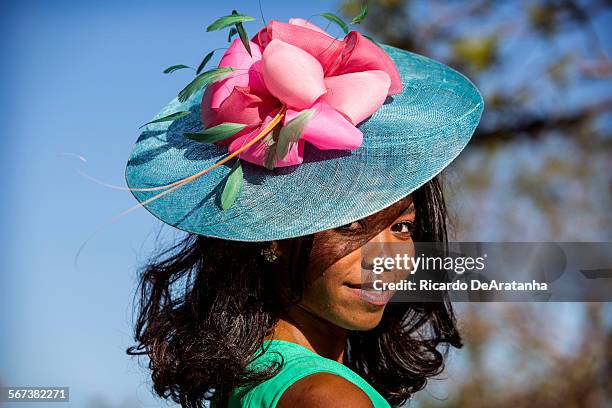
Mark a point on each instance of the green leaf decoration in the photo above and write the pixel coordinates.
(364, 12)
(175, 68)
(233, 186)
(168, 118)
(216, 133)
(232, 33)
(242, 34)
(372, 39)
(204, 62)
(227, 21)
(203, 80)
(271, 139)
(292, 131)
(335, 19)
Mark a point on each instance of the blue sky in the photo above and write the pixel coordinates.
(79, 78)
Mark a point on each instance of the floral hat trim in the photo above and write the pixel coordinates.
(290, 84)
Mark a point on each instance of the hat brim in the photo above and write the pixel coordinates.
(406, 143)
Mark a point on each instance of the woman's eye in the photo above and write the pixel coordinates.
(404, 227)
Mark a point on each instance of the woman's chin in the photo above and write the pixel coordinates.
(361, 310)
(363, 320)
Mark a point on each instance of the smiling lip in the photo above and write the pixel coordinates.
(367, 293)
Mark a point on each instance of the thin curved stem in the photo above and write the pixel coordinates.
(173, 186)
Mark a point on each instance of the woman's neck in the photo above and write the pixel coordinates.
(306, 329)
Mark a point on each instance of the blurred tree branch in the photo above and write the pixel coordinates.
(535, 126)
(487, 40)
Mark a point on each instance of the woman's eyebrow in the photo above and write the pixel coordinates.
(409, 209)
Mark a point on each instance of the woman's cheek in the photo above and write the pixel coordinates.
(337, 304)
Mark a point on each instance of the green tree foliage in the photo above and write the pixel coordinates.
(520, 52)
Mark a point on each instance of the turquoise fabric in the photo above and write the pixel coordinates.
(409, 140)
(299, 362)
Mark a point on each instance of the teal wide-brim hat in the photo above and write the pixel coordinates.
(411, 138)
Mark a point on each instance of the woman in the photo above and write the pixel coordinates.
(266, 302)
(207, 305)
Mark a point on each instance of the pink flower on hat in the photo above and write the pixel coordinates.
(298, 66)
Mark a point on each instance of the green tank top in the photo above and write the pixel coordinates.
(299, 362)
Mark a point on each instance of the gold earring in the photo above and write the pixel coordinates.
(269, 254)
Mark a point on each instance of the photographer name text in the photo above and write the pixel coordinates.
(474, 284)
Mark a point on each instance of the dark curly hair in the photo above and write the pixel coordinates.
(206, 304)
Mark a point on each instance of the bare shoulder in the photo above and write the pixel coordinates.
(324, 390)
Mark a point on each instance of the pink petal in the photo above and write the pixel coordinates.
(292, 75)
(248, 71)
(361, 54)
(207, 114)
(262, 38)
(357, 95)
(257, 153)
(246, 105)
(322, 46)
(307, 24)
(328, 129)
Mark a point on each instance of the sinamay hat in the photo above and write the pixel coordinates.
(343, 127)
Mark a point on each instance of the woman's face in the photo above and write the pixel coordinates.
(340, 276)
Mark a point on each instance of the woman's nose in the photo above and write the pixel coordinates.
(380, 246)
